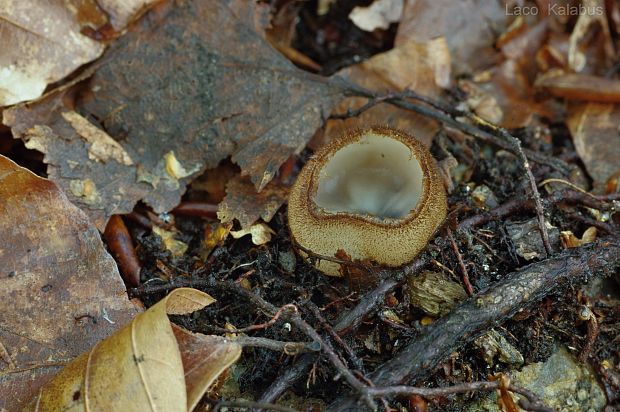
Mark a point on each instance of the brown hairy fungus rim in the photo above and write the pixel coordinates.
(321, 158)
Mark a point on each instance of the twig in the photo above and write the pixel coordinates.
(288, 307)
(289, 348)
(241, 403)
(357, 363)
(340, 367)
(516, 291)
(459, 259)
(588, 316)
(516, 143)
(370, 104)
(348, 322)
(287, 378)
(438, 112)
(369, 302)
(455, 389)
(352, 263)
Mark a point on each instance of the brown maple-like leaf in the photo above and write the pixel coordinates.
(60, 291)
(178, 95)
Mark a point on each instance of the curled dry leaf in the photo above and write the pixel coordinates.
(379, 15)
(145, 365)
(215, 234)
(261, 233)
(200, 80)
(590, 47)
(574, 86)
(42, 44)
(594, 127)
(504, 94)
(171, 243)
(569, 240)
(60, 291)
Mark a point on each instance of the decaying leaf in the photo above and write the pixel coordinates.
(143, 365)
(569, 240)
(171, 243)
(526, 238)
(41, 44)
(260, 232)
(594, 127)
(215, 234)
(469, 27)
(60, 291)
(504, 94)
(244, 204)
(379, 15)
(200, 81)
(102, 147)
(422, 67)
(434, 293)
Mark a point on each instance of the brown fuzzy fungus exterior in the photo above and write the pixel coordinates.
(375, 194)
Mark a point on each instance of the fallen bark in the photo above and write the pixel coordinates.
(517, 291)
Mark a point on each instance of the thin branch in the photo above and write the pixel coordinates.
(301, 324)
(459, 259)
(533, 400)
(289, 348)
(516, 143)
(241, 403)
(357, 363)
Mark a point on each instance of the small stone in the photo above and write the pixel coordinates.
(287, 261)
(527, 240)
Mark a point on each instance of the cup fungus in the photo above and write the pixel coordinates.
(375, 194)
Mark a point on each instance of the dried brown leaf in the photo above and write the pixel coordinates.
(122, 12)
(42, 44)
(244, 204)
(569, 240)
(142, 366)
(594, 127)
(574, 86)
(201, 82)
(60, 291)
(469, 27)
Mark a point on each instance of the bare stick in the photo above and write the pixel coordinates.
(516, 143)
(459, 259)
(242, 403)
(289, 348)
(532, 398)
